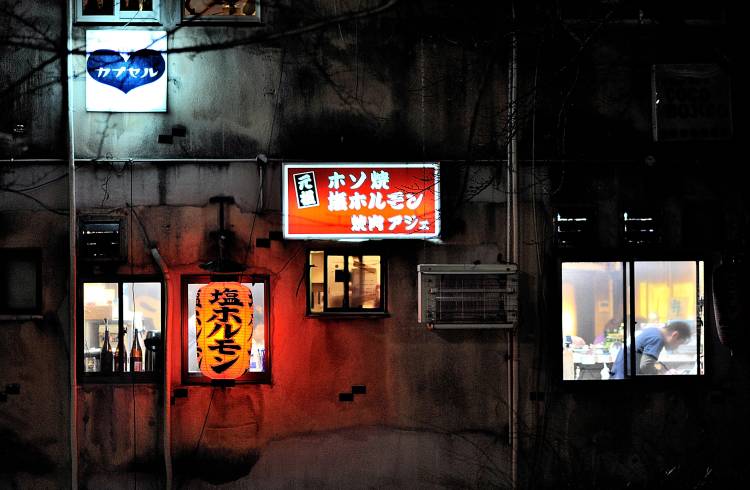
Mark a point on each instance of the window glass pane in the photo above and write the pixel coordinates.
(136, 5)
(100, 307)
(364, 281)
(592, 318)
(258, 348)
(98, 7)
(212, 8)
(666, 310)
(317, 281)
(336, 281)
(142, 311)
(20, 284)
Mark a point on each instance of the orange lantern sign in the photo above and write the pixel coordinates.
(224, 329)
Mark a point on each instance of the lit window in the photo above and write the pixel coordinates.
(259, 364)
(130, 311)
(345, 283)
(20, 281)
(607, 304)
(221, 11)
(130, 11)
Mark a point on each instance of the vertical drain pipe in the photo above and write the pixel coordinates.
(72, 286)
(513, 235)
(167, 387)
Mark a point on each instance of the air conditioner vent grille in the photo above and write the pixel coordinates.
(466, 296)
(472, 298)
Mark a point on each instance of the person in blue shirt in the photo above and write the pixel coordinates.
(648, 346)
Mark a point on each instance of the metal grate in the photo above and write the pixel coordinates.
(475, 298)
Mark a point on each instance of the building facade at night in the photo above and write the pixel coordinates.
(436, 235)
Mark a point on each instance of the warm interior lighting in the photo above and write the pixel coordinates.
(224, 329)
(570, 326)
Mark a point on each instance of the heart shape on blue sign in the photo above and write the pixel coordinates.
(141, 68)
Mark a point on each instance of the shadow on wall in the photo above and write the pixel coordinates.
(215, 466)
(18, 456)
(364, 457)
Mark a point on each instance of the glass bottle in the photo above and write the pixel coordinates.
(136, 354)
(121, 353)
(106, 359)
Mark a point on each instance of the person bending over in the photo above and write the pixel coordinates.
(648, 347)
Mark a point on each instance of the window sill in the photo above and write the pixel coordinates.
(122, 379)
(331, 315)
(251, 379)
(638, 384)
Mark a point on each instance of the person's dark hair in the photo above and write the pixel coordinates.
(682, 329)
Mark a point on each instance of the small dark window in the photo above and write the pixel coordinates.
(345, 283)
(575, 227)
(20, 281)
(640, 229)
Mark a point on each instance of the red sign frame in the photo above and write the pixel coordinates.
(361, 200)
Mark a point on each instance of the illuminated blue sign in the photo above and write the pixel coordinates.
(110, 68)
(126, 71)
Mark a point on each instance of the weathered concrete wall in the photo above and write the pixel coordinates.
(34, 449)
(424, 80)
(432, 383)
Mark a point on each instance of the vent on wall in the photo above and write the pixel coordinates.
(101, 239)
(468, 295)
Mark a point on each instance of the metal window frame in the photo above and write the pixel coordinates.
(628, 294)
(345, 309)
(152, 377)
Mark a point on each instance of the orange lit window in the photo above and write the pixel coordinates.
(258, 368)
(345, 283)
(605, 305)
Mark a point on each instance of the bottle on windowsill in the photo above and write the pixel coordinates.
(121, 353)
(136, 354)
(106, 359)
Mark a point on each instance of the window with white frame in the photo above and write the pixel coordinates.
(631, 319)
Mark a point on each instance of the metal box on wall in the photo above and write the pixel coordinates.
(468, 296)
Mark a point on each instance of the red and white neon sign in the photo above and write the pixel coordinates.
(361, 200)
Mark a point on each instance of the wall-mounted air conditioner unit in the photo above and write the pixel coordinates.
(468, 295)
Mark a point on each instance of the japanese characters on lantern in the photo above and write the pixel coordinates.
(223, 329)
(361, 200)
